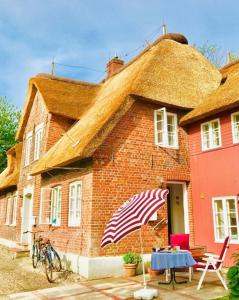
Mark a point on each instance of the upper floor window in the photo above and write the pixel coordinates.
(28, 145)
(225, 218)
(56, 206)
(235, 127)
(211, 135)
(38, 138)
(166, 133)
(75, 196)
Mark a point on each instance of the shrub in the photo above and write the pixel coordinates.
(131, 258)
(233, 278)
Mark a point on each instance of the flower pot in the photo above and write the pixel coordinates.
(153, 273)
(130, 269)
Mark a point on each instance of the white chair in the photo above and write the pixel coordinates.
(213, 263)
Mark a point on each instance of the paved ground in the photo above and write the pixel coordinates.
(19, 281)
(122, 288)
(17, 275)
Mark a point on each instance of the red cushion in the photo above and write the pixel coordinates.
(180, 239)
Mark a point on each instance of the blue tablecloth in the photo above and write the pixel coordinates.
(168, 260)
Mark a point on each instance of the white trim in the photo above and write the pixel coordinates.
(8, 209)
(41, 208)
(234, 140)
(27, 190)
(164, 142)
(27, 149)
(14, 222)
(185, 204)
(29, 134)
(58, 189)
(224, 198)
(37, 141)
(211, 135)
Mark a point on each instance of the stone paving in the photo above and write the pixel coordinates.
(123, 288)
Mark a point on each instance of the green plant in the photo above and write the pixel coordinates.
(233, 278)
(131, 258)
(148, 264)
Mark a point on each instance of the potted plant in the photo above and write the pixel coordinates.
(152, 273)
(131, 260)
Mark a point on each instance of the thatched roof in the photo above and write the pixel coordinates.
(9, 177)
(167, 72)
(223, 98)
(69, 98)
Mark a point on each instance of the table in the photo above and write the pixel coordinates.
(172, 260)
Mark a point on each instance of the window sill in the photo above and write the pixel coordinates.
(232, 242)
(13, 225)
(168, 147)
(211, 149)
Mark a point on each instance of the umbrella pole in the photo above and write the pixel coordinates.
(142, 255)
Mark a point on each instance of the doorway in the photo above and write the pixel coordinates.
(177, 208)
(26, 218)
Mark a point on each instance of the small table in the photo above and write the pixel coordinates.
(172, 260)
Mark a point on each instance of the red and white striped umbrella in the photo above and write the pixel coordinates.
(133, 214)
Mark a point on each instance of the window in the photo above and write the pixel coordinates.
(56, 206)
(225, 218)
(75, 196)
(235, 127)
(14, 210)
(8, 210)
(166, 134)
(211, 135)
(38, 138)
(28, 145)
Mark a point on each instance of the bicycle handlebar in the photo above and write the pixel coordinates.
(53, 229)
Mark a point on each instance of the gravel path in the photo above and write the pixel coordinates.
(17, 275)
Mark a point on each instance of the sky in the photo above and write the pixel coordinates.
(87, 33)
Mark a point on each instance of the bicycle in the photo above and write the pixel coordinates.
(43, 251)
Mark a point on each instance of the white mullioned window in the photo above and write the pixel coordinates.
(14, 210)
(75, 198)
(56, 206)
(166, 131)
(38, 138)
(211, 135)
(225, 216)
(235, 127)
(8, 210)
(28, 145)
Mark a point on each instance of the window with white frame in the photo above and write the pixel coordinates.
(75, 196)
(38, 138)
(235, 127)
(166, 132)
(28, 145)
(14, 210)
(225, 216)
(8, 210)
(211, 135)
(56, 206)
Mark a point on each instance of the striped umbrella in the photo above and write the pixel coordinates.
(133, 214)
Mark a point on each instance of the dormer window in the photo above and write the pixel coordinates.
(166, 132)
(211, 135)
(235, 127)
(28, 145)
(38, 138)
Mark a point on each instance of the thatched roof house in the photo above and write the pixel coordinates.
(167, 72)
(9, 177)
(223, 98)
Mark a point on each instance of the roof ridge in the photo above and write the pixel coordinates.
(65, 79)
(234, 62)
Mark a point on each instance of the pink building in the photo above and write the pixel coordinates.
(213, 129)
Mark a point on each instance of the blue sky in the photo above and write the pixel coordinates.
(87, 33)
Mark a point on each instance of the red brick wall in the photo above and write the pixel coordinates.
(129, 162)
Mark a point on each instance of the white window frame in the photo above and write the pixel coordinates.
(56, 204)
(47, 221)
(28, 145)
(211, 146)
(14, 209)
(225, 218)
(235, 140)
(74, 221)
(165, 143)
(37, 142)
(8, 210)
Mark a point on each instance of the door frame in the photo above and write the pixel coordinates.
(28, 190)
(185, 203)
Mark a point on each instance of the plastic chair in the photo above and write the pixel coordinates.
(213, 263)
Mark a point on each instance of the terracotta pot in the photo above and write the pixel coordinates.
(153, 273)
(130, 269)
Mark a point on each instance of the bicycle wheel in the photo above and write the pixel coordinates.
(56, 261)
(35, 256)
(49, 270)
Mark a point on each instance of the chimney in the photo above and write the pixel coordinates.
(113, 66)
